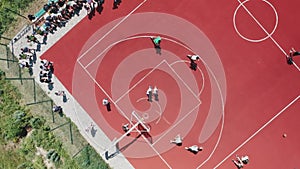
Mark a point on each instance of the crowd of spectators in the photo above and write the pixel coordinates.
(54, 15)
(57, 14)
(46, 71)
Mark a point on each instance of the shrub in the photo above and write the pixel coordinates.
(36, 122)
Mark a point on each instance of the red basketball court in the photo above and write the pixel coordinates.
(240, 101)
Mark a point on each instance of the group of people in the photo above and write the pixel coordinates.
(241, 161)
(57, 15)
(193, 149)
(152, 92)
(46, 71)
(26, 57)
(92, 5)
(193, 58)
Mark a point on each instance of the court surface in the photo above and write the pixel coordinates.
(240, 101)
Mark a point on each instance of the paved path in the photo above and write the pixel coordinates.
(71, 108)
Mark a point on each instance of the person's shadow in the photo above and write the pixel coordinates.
(99, 8)
(193, 66)
(93, 131)
(92, 13)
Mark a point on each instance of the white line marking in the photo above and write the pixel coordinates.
(157, 152)
(113, 28)
(139, 81)
(100, 87)
(254, 40)
(130, 38)
(187, 86)
(259, 130)
(200, 70)
(260, 25)
(113, 44)
(223, 118)
(142, 98)
(173, 126)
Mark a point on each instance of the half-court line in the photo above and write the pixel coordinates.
(267, 33)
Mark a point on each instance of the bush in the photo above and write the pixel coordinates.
(27, 147)
(26, 165)
(36, 122)
(16, 125)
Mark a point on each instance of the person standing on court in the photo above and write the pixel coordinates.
(156, 41)
(193, 59)
(155, 93)
(292, 53)
(149, 94)
(106, 103)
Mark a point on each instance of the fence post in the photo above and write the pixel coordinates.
(34, 90)
(53, 119)
(20, 75)
(71, 134)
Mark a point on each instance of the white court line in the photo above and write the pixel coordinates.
(113, 28)
(130, 38)
(188, 87)
(267, 33)
(153, 69)
(124, 116)
(259, 130)
(200, 70)
(173, 126)
(158, 112)
(113, 44)
(100, 87)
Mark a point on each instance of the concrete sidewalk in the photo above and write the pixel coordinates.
(71, 108)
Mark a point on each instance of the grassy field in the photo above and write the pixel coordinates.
(29, 136)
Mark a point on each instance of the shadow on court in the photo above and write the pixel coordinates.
(121, 149)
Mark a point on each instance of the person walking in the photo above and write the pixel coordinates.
(149, 94)
(106, 103)
(193, 59)
(156, 41)
(155, 93)
(194, 149)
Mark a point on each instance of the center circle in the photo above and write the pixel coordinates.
(242, 4)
